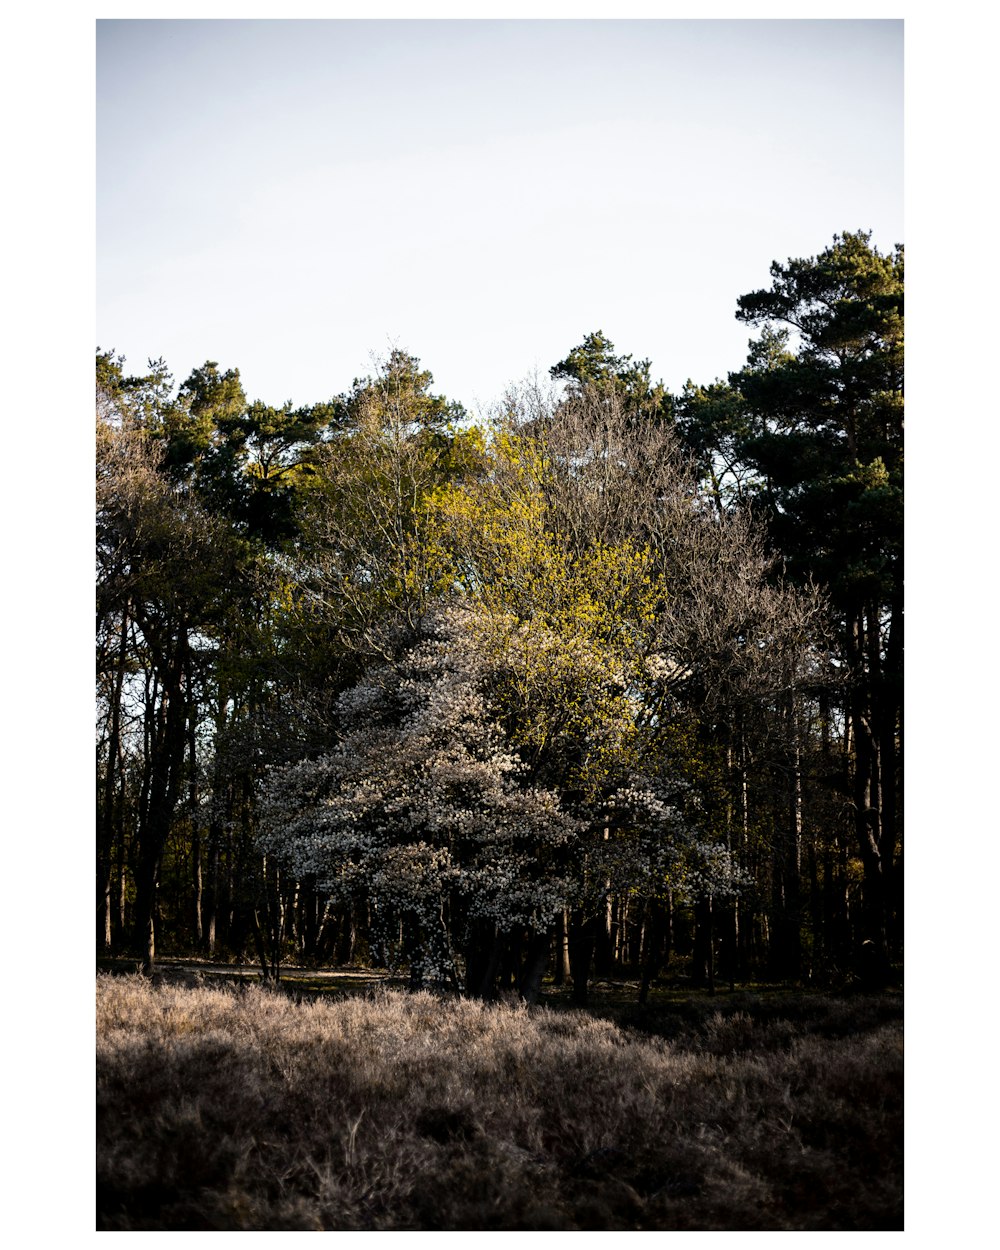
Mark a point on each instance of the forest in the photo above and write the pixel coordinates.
(607, 683)
(499, 817)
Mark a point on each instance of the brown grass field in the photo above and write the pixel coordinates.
(241, 1108)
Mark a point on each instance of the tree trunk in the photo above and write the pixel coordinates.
(482, 960)
(109, 807)
(164, 784)
(561, 975)
(535, 963)
(657, 946)
(604, 954)
(873, 962)
(581, 954)
(195, 823)
(700, 956)
(269, 970)
(347, 938)
(122, 888)
(198, 890)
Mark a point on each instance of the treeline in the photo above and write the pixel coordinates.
(608, 682)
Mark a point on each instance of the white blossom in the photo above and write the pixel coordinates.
(426, 810)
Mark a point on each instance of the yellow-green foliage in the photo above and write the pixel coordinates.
(567, 628)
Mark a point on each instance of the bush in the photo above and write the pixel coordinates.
(228, 1109)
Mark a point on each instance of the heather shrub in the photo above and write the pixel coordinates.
(228, 1109)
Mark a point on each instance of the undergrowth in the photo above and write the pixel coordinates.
(229, 1108)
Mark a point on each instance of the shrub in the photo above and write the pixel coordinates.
(221, 1109)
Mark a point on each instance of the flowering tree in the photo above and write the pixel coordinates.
(427, 812)
(424, 811)
(519, 762)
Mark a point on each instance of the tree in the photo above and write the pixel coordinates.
(637, 627)
(555, 660)
(711, 424)
(422, 812)
(164, 566)
(182, 594)
(246, 461)
(823, 404)
(369, 570)
(368, 671)
(732, 638)
(594, 366)
(200, 495)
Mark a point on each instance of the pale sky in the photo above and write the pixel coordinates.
(289, 197)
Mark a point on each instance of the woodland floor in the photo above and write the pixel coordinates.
(339, 1102)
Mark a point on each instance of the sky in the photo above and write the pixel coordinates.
(295, 198)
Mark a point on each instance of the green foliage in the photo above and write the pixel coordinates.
(594, 364)
(370, 565)
(248, 461)
(399, 395)
(823, 408)
(133, 401)
(712, 424)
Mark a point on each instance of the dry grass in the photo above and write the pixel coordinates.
(227, 1109)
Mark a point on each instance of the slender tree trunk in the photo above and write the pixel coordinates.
(891, 752)
(819, 940)
(164, 784)
(213, 889)
(195, 823)
(604, 957)
(323, 934)
(348, 937)
(108, 908)
(196, 873)
(122, 888)
(657, 945)
(482, 960)
(210, 904)
(701, 972)
(308, 918)
(791, 937)
(896, 671)
(562, 972)
(268, 972)
(109, 810)
(510, 960)
(581, 954)
(535, 963)
(710, 917)
(873, 964)
(735, 939)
